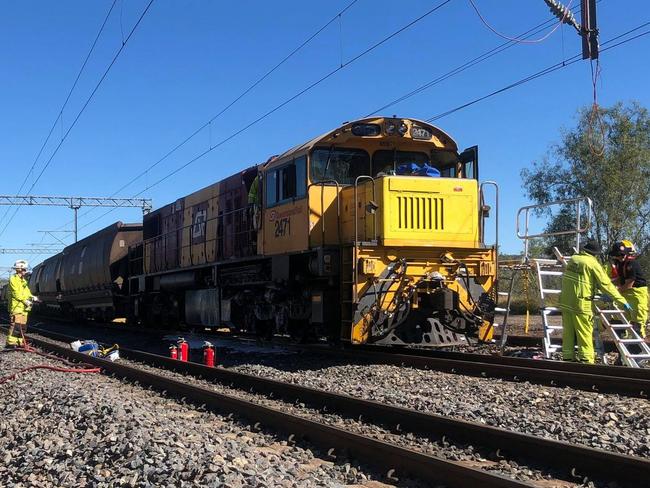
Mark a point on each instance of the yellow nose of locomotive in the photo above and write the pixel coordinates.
(422, 275)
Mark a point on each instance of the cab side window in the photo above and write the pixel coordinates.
(288, 185)
(272, 184)
(286, 182)
(301, 176)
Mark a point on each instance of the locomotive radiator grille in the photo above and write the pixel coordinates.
(420, 213)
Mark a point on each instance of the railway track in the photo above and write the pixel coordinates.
(569, 461)
(632, 382)
(536, 341)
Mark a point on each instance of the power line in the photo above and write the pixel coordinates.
(567, 17)
(550, 69)
(285, 102)
(232, 102)
(298, 94)
(65, 103)
(472, 62)
(83, 108)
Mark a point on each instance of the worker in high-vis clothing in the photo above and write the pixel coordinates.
(631, 282)
(254, 191)
(19, 303)
(582, 278)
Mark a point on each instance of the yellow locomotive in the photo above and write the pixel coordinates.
(370, 233)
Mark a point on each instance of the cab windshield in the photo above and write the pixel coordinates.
(387, 161)
(340, 164)
(345, 164)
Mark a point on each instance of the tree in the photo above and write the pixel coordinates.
(613, 171)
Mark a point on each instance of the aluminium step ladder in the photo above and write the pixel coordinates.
(547, 269)
(621, 331)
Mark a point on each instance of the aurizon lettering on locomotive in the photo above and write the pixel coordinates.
(370, 233)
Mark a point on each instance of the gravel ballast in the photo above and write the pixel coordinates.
(470, 455)
(603, 421)
(61, 429)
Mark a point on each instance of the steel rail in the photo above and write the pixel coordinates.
(391, 458)
(574, 460)
(550, 373)
(634, 382)
(545, 364)
(536, 341)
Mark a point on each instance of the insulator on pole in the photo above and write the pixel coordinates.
(564, 14)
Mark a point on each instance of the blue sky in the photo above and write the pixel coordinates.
(187, 60)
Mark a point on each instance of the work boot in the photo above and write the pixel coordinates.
(12, 342)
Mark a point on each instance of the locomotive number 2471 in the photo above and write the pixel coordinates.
(283, 227)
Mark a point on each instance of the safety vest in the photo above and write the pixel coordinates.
(582, 278)
(17, 294)
(253, 193)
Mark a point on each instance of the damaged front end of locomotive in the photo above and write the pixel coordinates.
(450, 303)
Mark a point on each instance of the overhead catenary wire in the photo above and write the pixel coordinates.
(282, 104)
(245, 92)
(472, 62)
(65, 103)
(606, 46)
(83, 108)
(562, 20)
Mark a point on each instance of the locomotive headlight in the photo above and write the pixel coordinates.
(395, 127)
(366, 130)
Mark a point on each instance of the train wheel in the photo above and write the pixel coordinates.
(264, 329)
(301, 331)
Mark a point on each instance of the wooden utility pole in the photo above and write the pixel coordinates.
(589, 31)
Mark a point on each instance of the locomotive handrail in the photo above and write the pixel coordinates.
(190, 245)
(496, 218)
(356, 207)
(322, 207)
(577, 230)
(161, 263)
(356, 230)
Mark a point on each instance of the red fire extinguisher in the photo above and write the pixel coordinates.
(208, 354)
(183, 348)
(173, 351)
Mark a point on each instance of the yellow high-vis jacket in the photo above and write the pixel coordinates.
(582, 278)
(17, 294)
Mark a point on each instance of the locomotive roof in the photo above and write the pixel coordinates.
(332, 134)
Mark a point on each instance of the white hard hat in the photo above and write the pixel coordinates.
(20, 264)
